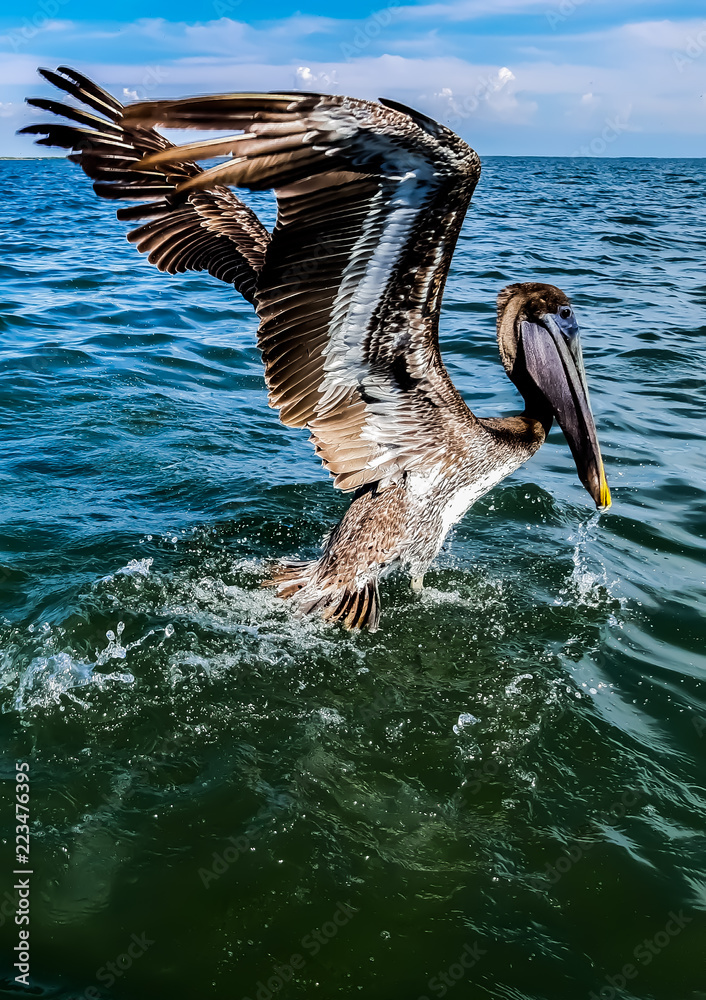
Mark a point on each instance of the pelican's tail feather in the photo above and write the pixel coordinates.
(290, 576)
(355, 604)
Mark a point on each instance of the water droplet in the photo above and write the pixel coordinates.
(465, 719)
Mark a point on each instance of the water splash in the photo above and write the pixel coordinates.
(136, 567)
(48, 678)
(585, 585)
(54, 675)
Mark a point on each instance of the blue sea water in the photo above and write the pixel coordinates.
(498, 795)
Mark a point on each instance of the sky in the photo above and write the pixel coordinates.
(513, 77)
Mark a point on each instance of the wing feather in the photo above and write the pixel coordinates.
(212, 230)
(371, 198)
(370, 202)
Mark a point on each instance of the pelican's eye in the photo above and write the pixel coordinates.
(566, 322)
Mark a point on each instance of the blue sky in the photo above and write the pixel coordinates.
(514, 77)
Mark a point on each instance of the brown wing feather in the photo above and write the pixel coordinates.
(211, 230)
(370, 203)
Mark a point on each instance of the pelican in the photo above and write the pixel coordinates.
(370, 198)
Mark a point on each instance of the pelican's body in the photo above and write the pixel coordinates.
(405, 523)
(371, 198)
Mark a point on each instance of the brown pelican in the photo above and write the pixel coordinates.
(371, 198)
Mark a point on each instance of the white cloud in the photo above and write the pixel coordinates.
(553, 95)
(305, 79)
(465, 10)
(490, 98)
(304, 75)
(666, 34)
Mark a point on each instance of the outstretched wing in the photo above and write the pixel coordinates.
(211, 230)
(371, 198)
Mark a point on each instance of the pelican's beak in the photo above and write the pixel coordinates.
(555, 364)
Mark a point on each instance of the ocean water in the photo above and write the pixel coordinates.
(498, 795)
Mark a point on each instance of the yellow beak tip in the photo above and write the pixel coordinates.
(605, 497)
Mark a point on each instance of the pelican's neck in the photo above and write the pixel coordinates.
(521, 436)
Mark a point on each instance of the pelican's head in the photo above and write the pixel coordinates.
(539, 345)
